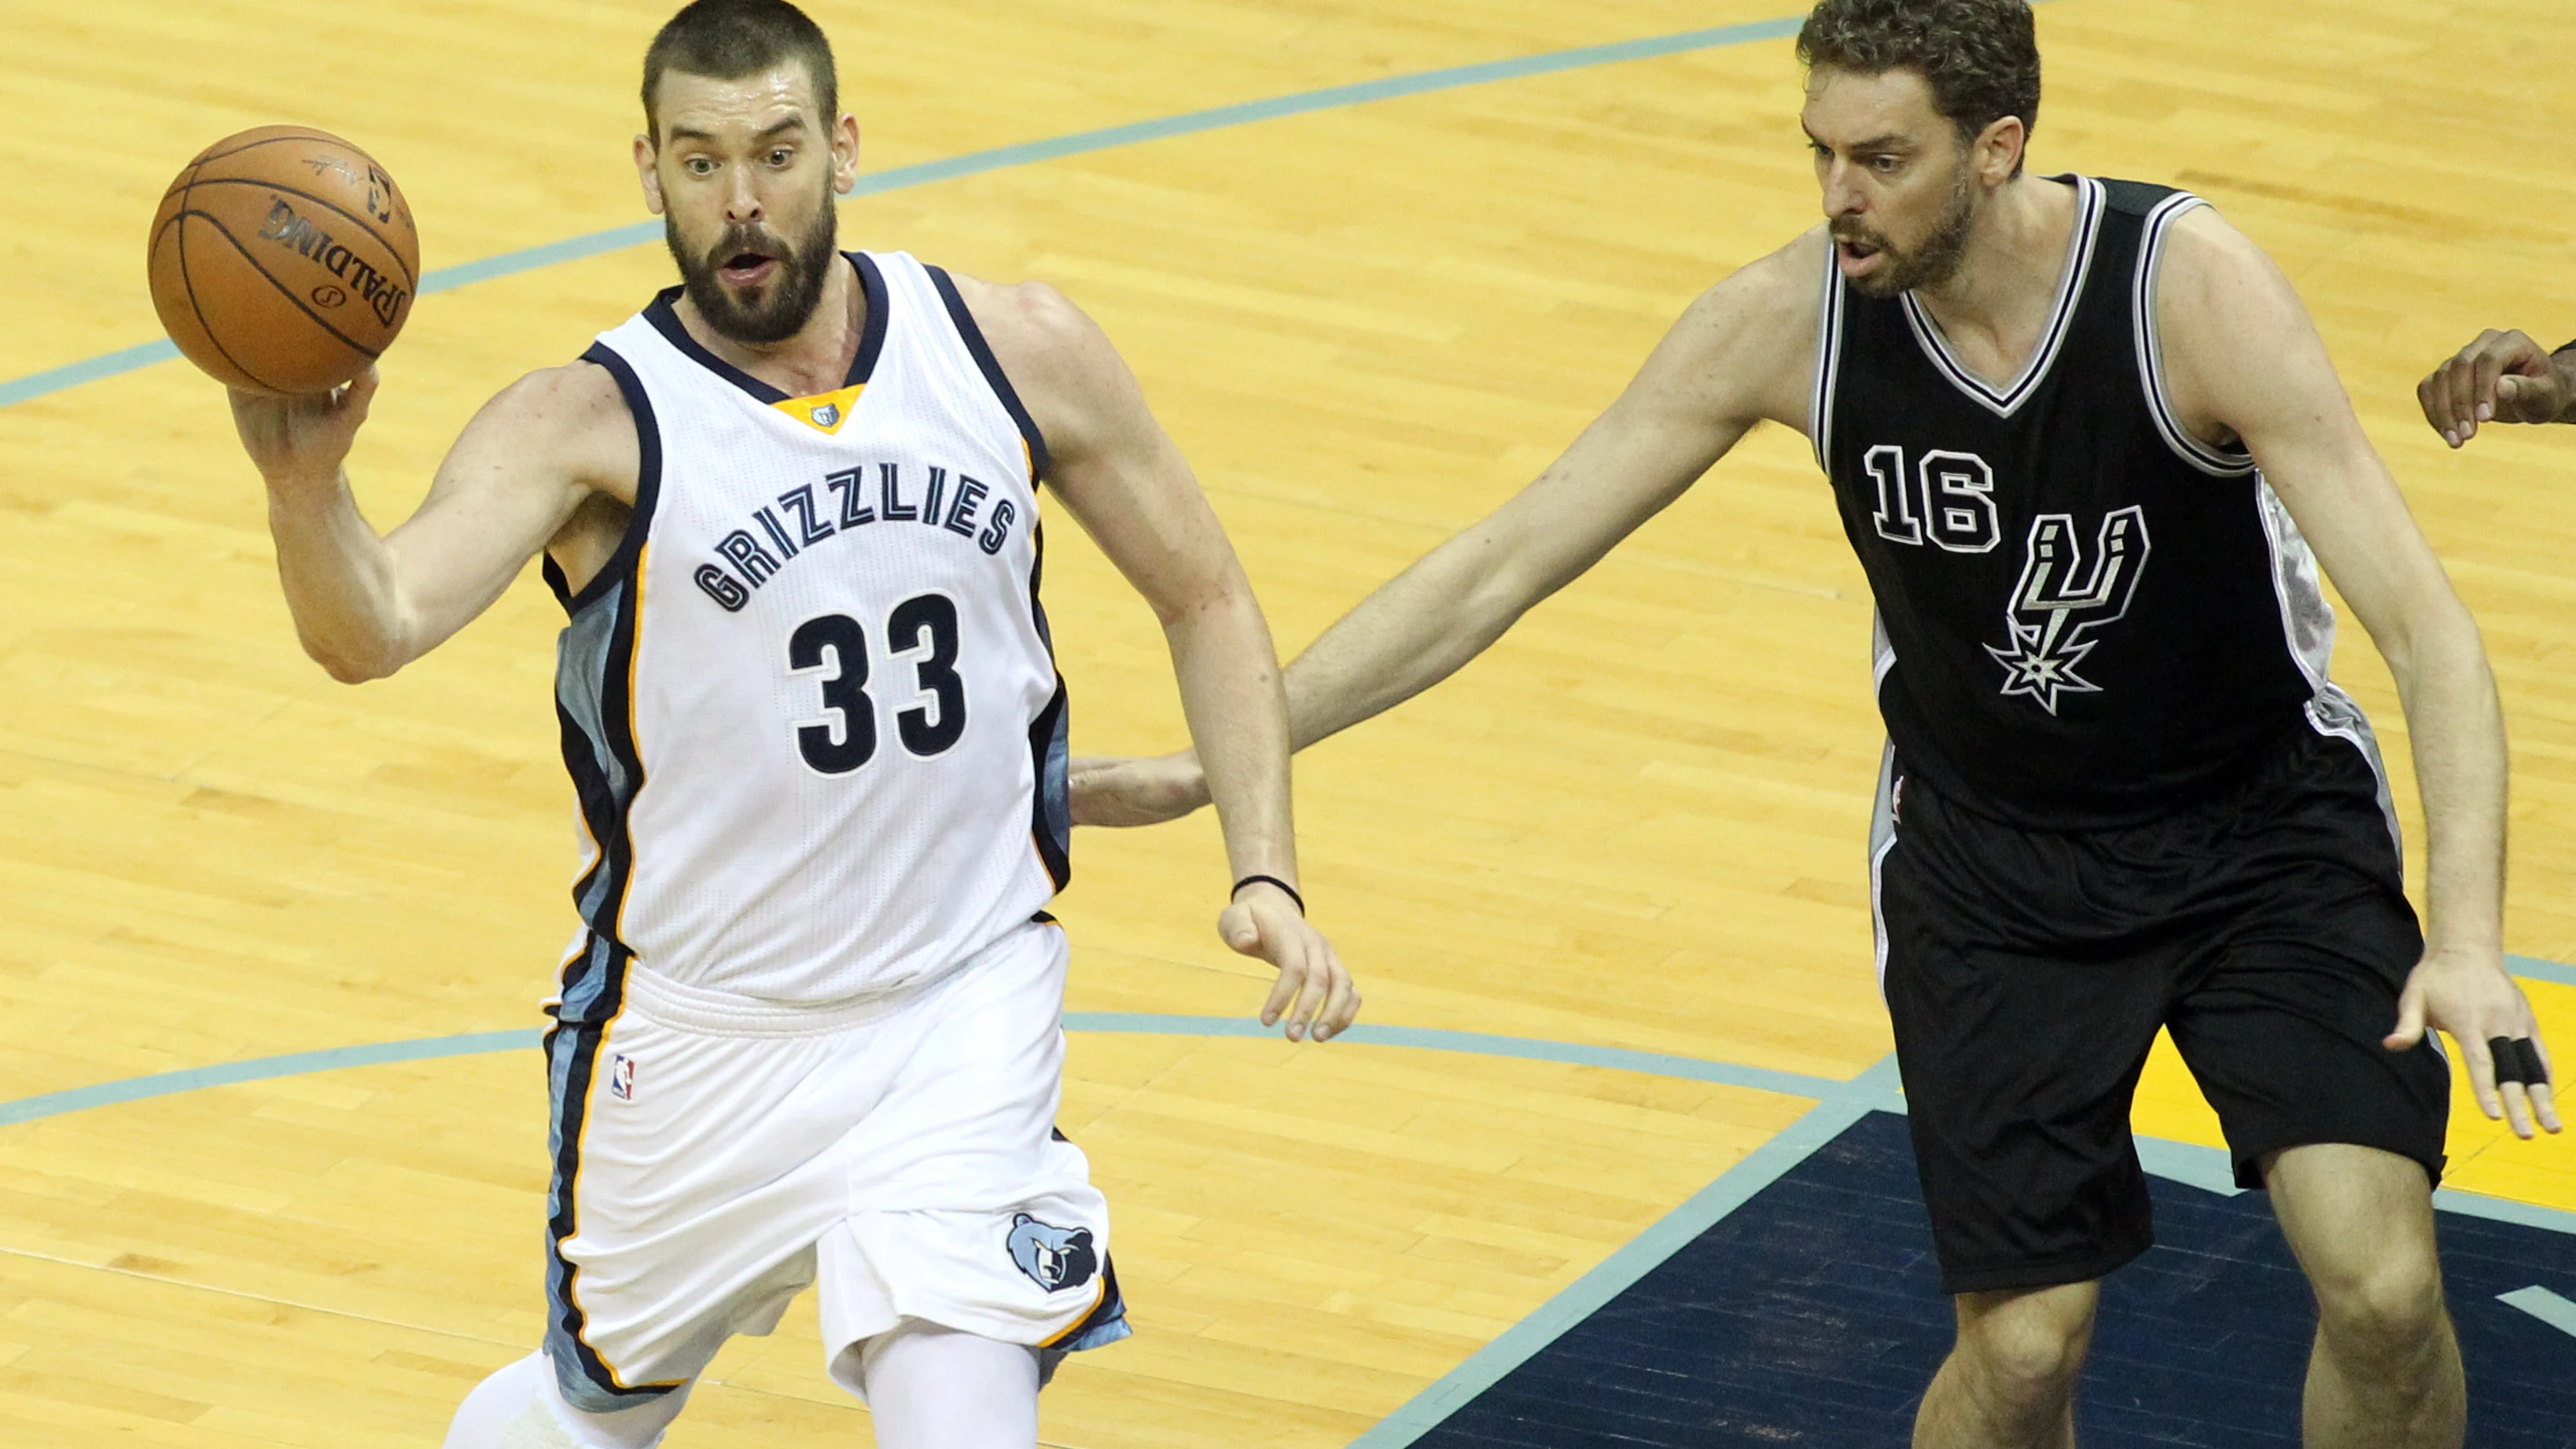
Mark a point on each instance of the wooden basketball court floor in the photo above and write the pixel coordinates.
(1367, 315)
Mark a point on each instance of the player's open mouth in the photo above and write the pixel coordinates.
(746, 269)
(1855, 257)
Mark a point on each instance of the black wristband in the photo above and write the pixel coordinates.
(1273, 880)
(2516, 1060)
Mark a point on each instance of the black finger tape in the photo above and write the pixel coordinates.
(2516, 1060)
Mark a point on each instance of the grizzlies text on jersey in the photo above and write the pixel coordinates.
(811, 708)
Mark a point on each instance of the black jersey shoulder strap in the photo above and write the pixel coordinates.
(2155, 209)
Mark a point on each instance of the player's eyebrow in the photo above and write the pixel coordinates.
(768, 132)
(1875, 144)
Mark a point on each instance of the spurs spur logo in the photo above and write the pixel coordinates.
(2062, 599)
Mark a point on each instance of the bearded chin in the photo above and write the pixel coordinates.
(1937, 259)
(777, 311)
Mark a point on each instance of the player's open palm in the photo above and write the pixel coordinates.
(1314, 993)
(302, 439)
(2468, 996)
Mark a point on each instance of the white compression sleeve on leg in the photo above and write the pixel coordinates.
(935, 1388)
(522, 1407)
(497, 1400)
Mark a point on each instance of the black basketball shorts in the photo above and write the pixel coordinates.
(2027, 972)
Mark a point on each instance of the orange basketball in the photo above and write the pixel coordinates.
(283, 260)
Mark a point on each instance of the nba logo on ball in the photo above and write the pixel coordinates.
(621, 1078)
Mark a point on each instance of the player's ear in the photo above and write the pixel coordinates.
(649, 174)
(845, 154)
(1997, 151)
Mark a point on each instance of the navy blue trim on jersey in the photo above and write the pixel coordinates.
(664, 314)
(648, 489)
(976, 347)
(872, 332)
(1050, 750)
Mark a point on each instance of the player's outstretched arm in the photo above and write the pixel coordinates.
(2502, 377)
(2244, 360)
(1740, 354)
(1125, 482)
(365, 605)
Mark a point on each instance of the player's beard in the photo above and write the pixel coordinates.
(1933, 262)
(778, 308)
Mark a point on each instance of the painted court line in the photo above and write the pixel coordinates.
(1839, 1104)
(446, 279)
(2544, 1305)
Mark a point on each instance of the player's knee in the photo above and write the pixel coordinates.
(2028, 1348)
(2385, 1311)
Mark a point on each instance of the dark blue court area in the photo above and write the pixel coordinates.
(1813, 1315)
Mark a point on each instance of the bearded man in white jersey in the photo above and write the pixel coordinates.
(810, 1028)
(2082, 435)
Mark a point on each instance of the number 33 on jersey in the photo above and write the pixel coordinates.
(811, 706)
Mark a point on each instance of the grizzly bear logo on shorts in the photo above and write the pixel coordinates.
(1054, 1258)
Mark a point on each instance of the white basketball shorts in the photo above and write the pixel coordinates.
(713, 1155)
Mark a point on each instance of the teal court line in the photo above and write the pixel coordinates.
(448, 279)
(1838, 1105)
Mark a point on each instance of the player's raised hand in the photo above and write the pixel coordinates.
(302, 440)
(2469, 996)
(1116, 790)
(1314, 993)
(2503, 377)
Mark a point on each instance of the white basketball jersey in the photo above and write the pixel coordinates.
(810, 708)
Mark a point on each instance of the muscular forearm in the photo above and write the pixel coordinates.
(338, 578)
(2457, 728)
(1419, 628)
(1231, 692)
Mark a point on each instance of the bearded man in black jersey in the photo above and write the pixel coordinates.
(2091, 452)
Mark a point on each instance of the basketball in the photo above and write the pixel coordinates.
(283, 260)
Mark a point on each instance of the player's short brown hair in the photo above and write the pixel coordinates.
(1980, 57)
(730, 39)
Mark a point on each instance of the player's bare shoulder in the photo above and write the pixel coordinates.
(567, 425)
(2232, 332)
(1068, 375)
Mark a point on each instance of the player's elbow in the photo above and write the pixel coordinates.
(350, 664)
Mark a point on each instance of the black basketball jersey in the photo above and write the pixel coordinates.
(2086, 616)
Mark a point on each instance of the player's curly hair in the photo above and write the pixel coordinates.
(730, 39)
(1980, 57)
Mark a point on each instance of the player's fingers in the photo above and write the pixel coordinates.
(1315, 981)
(2428, 396)
(2410, 1021)
(1327, 982)
(1283, 992)
(2517, 1107)
(2482, 1082)
(2453, 401)
(2542, 1094)
(2483, 374)
(1344, 1006)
